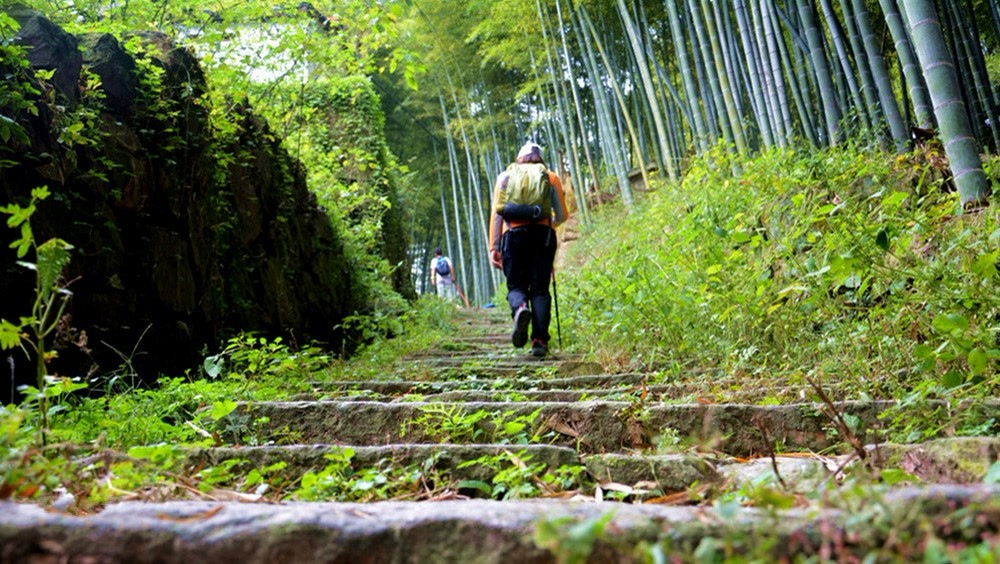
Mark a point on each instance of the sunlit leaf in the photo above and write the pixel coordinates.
(950, 322)
(895, 476)
(53, 256)
(978, 360)
(223, 408)
(10, 335)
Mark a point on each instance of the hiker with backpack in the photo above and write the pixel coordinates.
(443, 275)
(528, 204)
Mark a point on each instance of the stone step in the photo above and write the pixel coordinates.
(666, 393)
(484, 531)
(480, 364)
(661, 393)
(594, 426)
(963, 460)
(400, 387)
(640, 476)
(442, 458)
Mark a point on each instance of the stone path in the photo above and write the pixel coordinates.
(662, 468)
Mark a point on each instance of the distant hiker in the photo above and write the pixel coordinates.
(443, 275)
(528, 203)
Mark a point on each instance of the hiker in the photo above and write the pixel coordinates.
(443, 275)
(528, 204)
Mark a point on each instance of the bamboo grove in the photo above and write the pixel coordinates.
(618, 90)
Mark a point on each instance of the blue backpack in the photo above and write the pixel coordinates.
(442, 267)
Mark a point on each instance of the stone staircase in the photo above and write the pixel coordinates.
(608, 467)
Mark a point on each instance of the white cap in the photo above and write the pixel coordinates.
(530, 149)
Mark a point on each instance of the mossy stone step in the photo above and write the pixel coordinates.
(596, 426)
(444, 458)
(646, 475)
(402, 387)
(482, 364)
(525, 391)
(946, 461)
(483, 531)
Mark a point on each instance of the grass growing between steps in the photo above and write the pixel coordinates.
(840, 269)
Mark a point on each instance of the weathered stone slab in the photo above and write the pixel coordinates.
(400, 387)
(505, 365)
(447, 458)
(798, 474)
(598, 426)
(480, 531)
(669, 472)
(679, 393)
(959, 460)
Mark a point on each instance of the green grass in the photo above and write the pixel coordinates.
(842, 267)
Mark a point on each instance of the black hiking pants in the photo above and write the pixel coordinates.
(528, 253)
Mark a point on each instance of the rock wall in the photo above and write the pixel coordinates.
(183, 234)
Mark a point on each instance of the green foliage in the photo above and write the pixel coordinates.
(426, 321)
(455, 424)
(827, 263)
(250, 357)
(515, 476)
(570, 540)
(17, 88)
(338, 481)
(51, 295)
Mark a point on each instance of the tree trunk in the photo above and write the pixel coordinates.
(831, 107)
(701, 132)
(887, 99)
(956, 132)
(916, 86)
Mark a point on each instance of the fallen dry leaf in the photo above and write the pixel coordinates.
(189, 518)
(557, 424)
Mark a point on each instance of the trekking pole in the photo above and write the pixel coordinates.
(555, 298)
(464, 299)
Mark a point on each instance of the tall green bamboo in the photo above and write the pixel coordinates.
(972, 58)
(916, 86)
(960, 144)
(456, 180)
(701, 132)
(646, 79)
(887, 98)
(755, 62)
(566, 121)
(629, 202)
(732, 76)
(840, 45)
(868, 90)
(796, 57)
(702, 44)
(608, 137)
(817, 56)
(578, 107)
(773, 46)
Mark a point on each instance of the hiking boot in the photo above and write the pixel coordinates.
(538, 348)
(522, 318)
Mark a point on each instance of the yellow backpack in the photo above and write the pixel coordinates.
(527, 185)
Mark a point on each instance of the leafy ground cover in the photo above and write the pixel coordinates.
(841, 268)
(128, 442)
